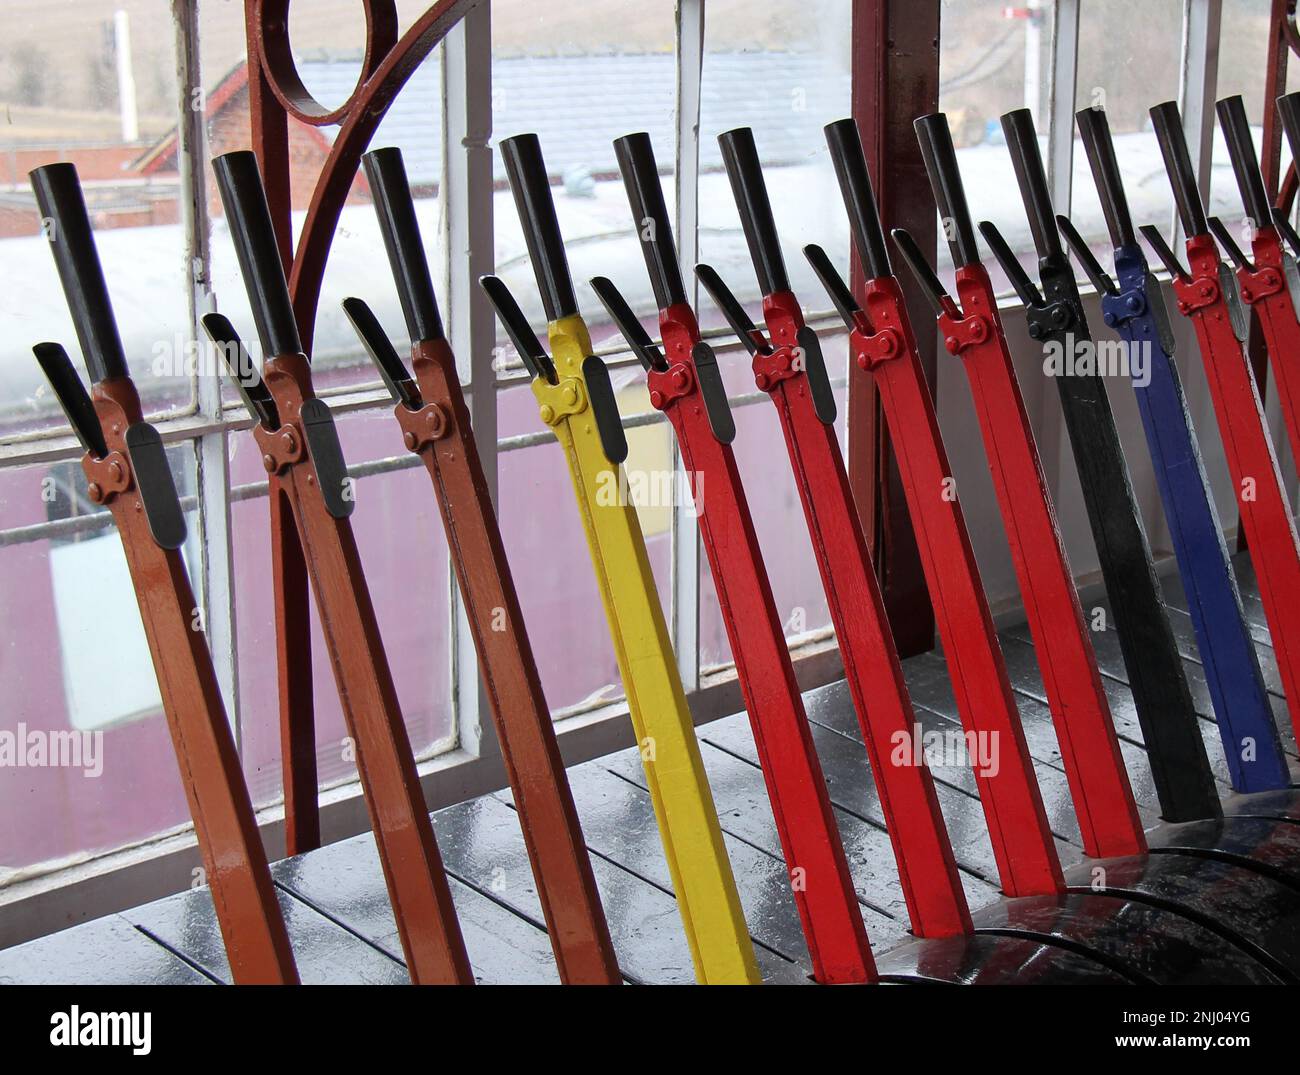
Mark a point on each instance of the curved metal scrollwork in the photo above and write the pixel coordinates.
(276, 57)
(388, 63)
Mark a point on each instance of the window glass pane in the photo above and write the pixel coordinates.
(76, 676)
(1243, 59)
(783, 70)
(404, 553)
(1126, 73)
(99, 92)
(993, 57)
(580, 76)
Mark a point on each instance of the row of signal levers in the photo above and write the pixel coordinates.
(1166, 920)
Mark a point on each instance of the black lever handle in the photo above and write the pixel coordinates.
(645, 195)
(61, 204)
(850, 163)
(819, 382)
(1094, 129)
(945, 181)
(921, 269)
(526, 171)
(72, 397)
(401, 231)
(244, 199)
(841, 297)
(1224, 236)
(1245, 162)
(1020, 280)
(628, 324)
(1027, 160)
(144, 447)
(740, 157)
(1098, 276)
(604, 409)
(153, 478)
(1164, 252)
(717, 408)
(1168, 126)
(530, 348)
(391, 368)
(256, 396)
(731, 309)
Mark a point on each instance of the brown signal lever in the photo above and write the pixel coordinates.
(127, 473)
(435, 425)
(301, 449)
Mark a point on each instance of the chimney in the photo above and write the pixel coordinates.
(125, 77)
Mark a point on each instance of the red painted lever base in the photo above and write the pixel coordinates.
(1094, 767)
(1260, 494)
(883, 345)
(872, 670)
(820, 878)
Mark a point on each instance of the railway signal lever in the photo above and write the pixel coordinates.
(301, 452)
(1166, 713)
(127, 472)
(576, 401)
(707, 377)
(435, 424)
(882, 346)
(690, 392)
(1134, 307)
(972, 330)
(1207, 293)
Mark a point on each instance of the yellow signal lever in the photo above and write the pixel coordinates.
(576, 401)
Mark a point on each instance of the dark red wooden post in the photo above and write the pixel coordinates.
(895, 77)
(1285, 38)
(276, 93)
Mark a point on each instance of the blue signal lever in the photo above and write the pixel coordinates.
(1132, 305)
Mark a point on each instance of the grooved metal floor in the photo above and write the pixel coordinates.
(342, 929)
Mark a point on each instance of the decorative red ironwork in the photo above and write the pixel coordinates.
(276, 92)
